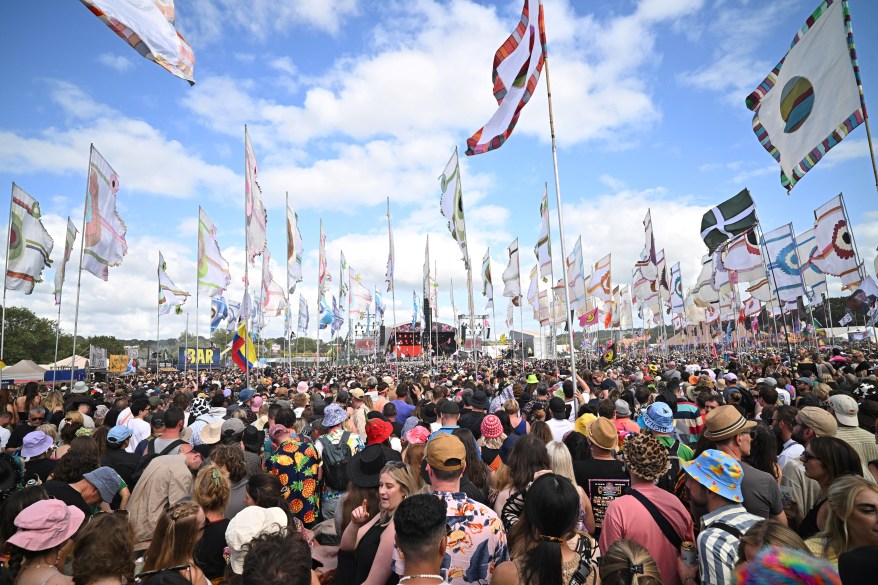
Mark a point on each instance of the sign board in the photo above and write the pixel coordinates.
(118, 363)
(204, 357)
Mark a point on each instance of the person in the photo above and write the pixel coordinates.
(562, 464)
(853, 519)
(560, 423)
(449, 414)
(366, 545)
(265, 491)
(603, 477)
(42, 530)
(69, 484)
(167, 480)
(230, 459)
(714, 483)
(36, 450)
(845, 410)
(278, 557)
(295, 463)
(518, 423)
(767, 533)
(783, 565)
(646, 511)
(99, 560)
(247, 525)
(491, 441)
(622, 420)
(420, 526)
(334, 418)
(177, 531)
(627, 563)
(472, 528)
(825, 460)
(810, 422)
(545, 548)
(475, 480)
(782, 422)
(529, 456)
(211, 492)
(140, 429)
(116, 455)
(35, 417)
(472, 420)
(858, 566)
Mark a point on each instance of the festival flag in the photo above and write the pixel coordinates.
(694, 313)
(512, 275)
(359, 297)
(743, 257)
(663, 285)
(302, 324)
(337, 318)
(343, 275)
(543, 249)
(616, 320)
(254, 211)
(29, 245)
(814, 278)
(599, 286)
(170, 295)
(729, 218)
(813, 98)
(219, 310)
(626, 317)
(575, 277)
(380, 307)
(415, 308)
(68, 246)
(751, 306)
(274, 301)
(487, 285)
(760, 290)
(703, 292)
(451, 204)
(710, 314)
(243, 350)
(515, 74)
(721, 280)
(510, 314)
(589, 318)
(835, 253)
(388, 276)
(648, 261)
(533, 290)
(294, 250)
(323, 276)
(325, 313)
(677, 301)
(266, 277)
(234, 309)
(104, 237)
(213, 269)
(149, 27)
(780, 248)
(543, 307)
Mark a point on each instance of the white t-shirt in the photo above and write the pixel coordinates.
(140, 430)
(4, 437)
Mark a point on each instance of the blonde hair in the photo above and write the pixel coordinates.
(50, 430)
(842, 494)
(562, 462)
(173, 541)
(74, 417)
(623, 554)
(413, 455)
(821, 391)
(511, 407)
(767, 533)
(52, 400)
(212, 488)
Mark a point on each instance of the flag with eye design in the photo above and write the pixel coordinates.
(835, 253)
(780, 248)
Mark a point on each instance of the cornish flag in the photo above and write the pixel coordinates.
(728, 219)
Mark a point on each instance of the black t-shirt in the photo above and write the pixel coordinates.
(123, 463)
(39, 469)
(62, 491)
(473, 421)
(596, 469)
(16, 438)
(209, 550)
(56, 417)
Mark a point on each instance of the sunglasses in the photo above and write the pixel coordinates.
(808, 456)
(38, 419)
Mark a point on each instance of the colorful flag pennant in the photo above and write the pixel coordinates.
(104, 237)
(254, 211)
(213, 270)
(29, 245)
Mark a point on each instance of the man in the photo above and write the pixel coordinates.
(559, 424)
(659, 422)
(472, 528)
(35, 417)
(420, 527)
(635, 519)
(707, 401)
(216, 413)
(782, 422)
(170, 434)
(714, 483)
(622, 420)
(449, 414)
(731, 434)
(810, 422)
(86, 492)
(167, 480)
(687, 416)
(116, 457)
(536, 409)
(381, 388)
(845, 410)
(140, 429)
(360, 410)
(334, 418)
(403, 408)
(478, 411)
(603, 477)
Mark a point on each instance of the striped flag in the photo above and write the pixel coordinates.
(254, 211)
(104, 237)
(29, 244)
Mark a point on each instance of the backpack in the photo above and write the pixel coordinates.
(150, 454)
(335, 462)
(668, 481)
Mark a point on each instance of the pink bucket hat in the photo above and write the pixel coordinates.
(45, 525)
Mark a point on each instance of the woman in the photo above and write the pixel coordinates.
(413, 456)
(98, 559)
(6, 399)
(367, 544)
(767, 533)
(544, 545)
(562, 465)
(14, 504)
(540, 430)
(475, 472)
(490, 442)
(73, 421)
(43, 529)
(364, 474)
(527, 458)
(265, 490)
(54, 405)
(173, 541)
(762, 452)
(825, 460)
(30, 396)
(230, 459)
(519, 425)
(623, 556)
(37, 452)
(211, 492)
(852, 521)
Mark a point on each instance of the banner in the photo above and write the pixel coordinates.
(118, 363)
(205, 356)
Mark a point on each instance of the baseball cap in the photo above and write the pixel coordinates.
(445, 452)
(845, 409)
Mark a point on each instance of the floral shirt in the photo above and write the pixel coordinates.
(295, 464)
(475, 545)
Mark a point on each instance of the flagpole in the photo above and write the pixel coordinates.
(246, 272)
(392, 289)
(158, 312)
(871, 149)
(436, 309)
(57, 327)
(197, 297)
(319, 297)
(79, 275)
(5, 273)
(289, 332)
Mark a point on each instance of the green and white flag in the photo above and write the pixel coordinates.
(451, 204)
(29, 244)
(728, 219)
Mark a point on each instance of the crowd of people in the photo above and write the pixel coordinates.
(674, 471)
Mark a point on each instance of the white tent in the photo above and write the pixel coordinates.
(81, 364)
(23, 371)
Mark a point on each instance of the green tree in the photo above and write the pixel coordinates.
(28, 337)
(108, 342)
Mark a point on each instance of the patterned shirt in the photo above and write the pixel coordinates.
(718, 548)
(475, 545)
(295, 464)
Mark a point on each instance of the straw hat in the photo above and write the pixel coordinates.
(726, 422)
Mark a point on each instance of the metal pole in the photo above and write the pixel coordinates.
(158, 316)
(186, 349)
(5, 272)
(79, 277)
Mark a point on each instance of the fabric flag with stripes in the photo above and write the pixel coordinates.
(835, 253)
(814, 278)
(728, 219)
(254, 211)
(752, 306)
(451, 205)
(274, 301)
(616, 319)
(760, 290)
(380, 307)
(510, 314)
(170, 295)
(780, 248)
(149, 27)
(743, 256)
(487, 284)
(543, 249)
(515, 74)
(104, 238)
(29, 244)
(234, 310)
(534, 290)
(294, 250)
(648, 261)
(337, 318)
(721, 280)
(213, 269)
(813, 98)
(388, 276)
(677, 301)
(360, 297)
(62, 267)
(600, 285)
(219, 310)
(543, 307)
(302, 324)
(342, 282)
(575, 277)
(703, 292)
(512, 275)
(265, 282)
(243, 350)
(663, 284)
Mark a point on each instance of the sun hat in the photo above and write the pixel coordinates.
(491, 427)
(247, 525)
(532, 379)
(581, 424)
(417, 435)
(106, 481)
(211, 433)
(623, 409)
(36, 443)
(479, 400)
(845, 409)
(717, 472)
(364, 469)
(725, 422)
(646, 457)
(302, 387)
(45, 525)
(378, 431)
(79, 388)
(445, 452)
(256, 403)
(602, 432)
(334, 415)
(245, 395)
(659, 418)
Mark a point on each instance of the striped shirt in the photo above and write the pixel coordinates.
(718, 548)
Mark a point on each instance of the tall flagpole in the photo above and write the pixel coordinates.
(246, 272)
(289, 332)
(158, 314)
(560, 220)
(319, 297)
(5, 272)
(436, 310)
(392, 290)
(197, 295)
(79, 276)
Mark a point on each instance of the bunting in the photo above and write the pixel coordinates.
(254, 211)
(213, 270)
(68, 247)
(451, 205)
(294, 250)
(104, 238)
(29, 244)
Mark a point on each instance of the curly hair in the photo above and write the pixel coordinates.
(278, 557)
(176, 534)
(231, 458)
(212, 489)
(95, 555)
(75, 464)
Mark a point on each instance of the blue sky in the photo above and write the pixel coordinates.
(349, 102)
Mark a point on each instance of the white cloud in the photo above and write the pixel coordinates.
(117, 62)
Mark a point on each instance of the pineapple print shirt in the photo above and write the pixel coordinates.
(295, 464)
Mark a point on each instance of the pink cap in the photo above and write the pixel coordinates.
(256, 403)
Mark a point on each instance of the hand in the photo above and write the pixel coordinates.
(360, 515)
(791, 508)
(685, 571)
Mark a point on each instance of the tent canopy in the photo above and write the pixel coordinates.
(81, 364)
(23, 371)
